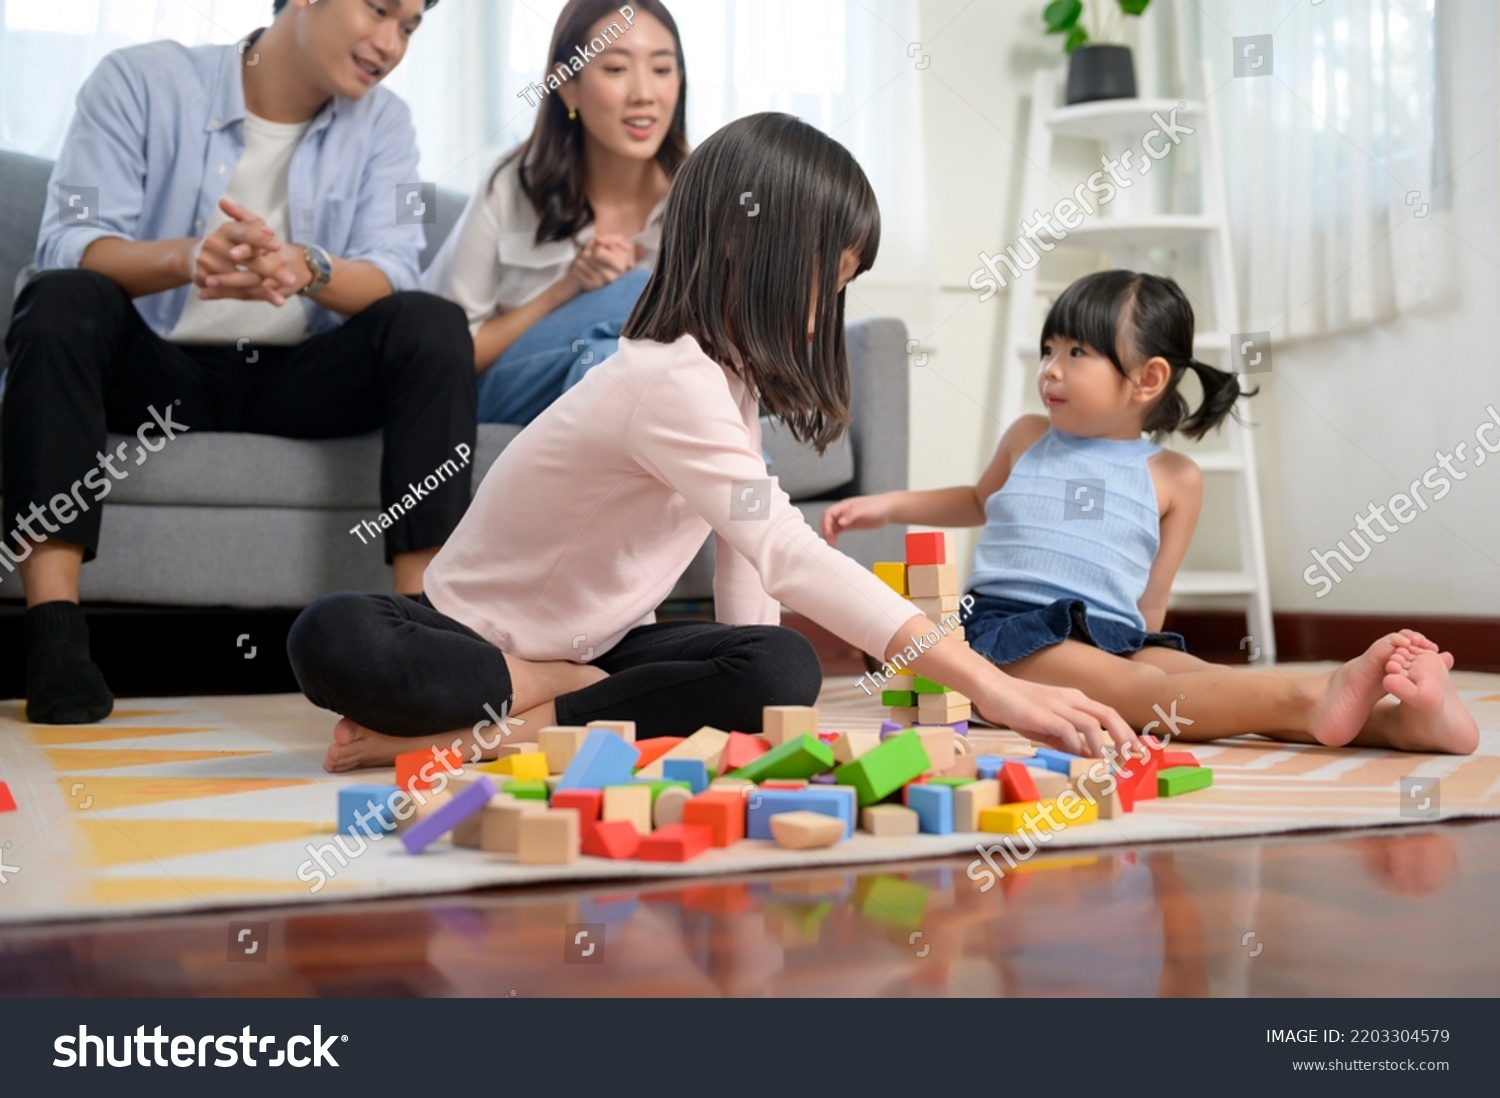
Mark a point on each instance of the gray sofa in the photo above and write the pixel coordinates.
(255, 521)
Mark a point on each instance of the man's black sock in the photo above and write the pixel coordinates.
(62, 684)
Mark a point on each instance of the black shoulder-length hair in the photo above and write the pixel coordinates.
(551, 171)
(1132, 315)
(759, 216)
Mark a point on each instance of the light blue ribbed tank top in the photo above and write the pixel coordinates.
(1045, 540)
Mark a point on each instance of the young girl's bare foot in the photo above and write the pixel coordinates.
(355, 746)
(1431, 716)
(1352, 691)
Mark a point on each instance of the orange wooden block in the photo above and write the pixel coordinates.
(676, 843)
(409, 767)
(722, 812)
(615, 839)
(655, 748)
(1016, 784)
(742, 750)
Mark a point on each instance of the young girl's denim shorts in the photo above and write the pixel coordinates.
(1005, 631)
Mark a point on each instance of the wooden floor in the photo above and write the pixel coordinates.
(1395, 912)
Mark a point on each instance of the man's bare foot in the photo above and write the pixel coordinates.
(1352, 691)
(356, 747)
(1431, 716)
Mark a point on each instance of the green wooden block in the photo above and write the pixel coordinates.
(878, 773)
(954, 782)
(801, 757)
(658, 784)
(526, 791)
(898, 698)
(927, 686)
(1178, 780)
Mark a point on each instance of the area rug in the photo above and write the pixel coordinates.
(193, 803)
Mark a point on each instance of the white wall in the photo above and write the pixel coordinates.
(1342, 422)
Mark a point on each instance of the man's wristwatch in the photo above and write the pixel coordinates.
(321, 265)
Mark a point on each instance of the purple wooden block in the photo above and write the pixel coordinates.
(420, 835)
(960, 728)
(824, 779)
(890, 728)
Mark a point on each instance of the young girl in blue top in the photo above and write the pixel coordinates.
(1085, 525)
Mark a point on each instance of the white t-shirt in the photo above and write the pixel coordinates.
(259, 184)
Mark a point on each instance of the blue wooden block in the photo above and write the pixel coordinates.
(1055, 760)
(358, 800)
(765, 803)
(933, 805)
(603, 759)
(424, 832)
(989, 765)
(692, 771)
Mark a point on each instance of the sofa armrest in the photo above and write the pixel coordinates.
(881, 396)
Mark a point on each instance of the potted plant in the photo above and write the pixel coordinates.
(1098, 68)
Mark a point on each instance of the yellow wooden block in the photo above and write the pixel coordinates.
(851, 745)
(1007, 819)
(972, 799)
(525, 766)
(932, 581)
(786, 722)
(1082, 810)
(549, 837)
(893, 574)
(888, 819)
(500, 822)
(806, 830)
(560, 743)
(624, 729)
(707, 744)
(629, 802)
(942, 708)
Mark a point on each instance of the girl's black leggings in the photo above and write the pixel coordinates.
(396, 665)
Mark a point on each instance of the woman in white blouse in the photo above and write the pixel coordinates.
(552, 252)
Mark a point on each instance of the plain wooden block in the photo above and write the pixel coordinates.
(905, 715)
(707, 743)
(932, 581)
(467, 834)
(1049, 783)
(668, 807)
(906, 680)
(938, 743)
(624, 729)
(851, 745)
(942, 708)
(888, 819)
(500, 823)
(1077, 768)
(806, 830)
(1103, 793)
(427, 803)
(629, 802)
(548, 838)
(560, 743)
(780, 723)
(937, 608)
(969, 800)
(964, 766)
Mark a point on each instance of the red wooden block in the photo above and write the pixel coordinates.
(925, 549)
(721, 811)
(588, 802)
(1136, 780)
(829, 737)
(921, 780)
(7, 802)
(409, 767)
(784, 783)
(1170, 759)
(676, 843)
(611, 839)
(741, 750)
(654, 748)
(1016, 784)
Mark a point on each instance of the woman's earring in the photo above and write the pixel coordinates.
(572, 114)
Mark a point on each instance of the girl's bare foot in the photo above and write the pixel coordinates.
(1352, 691)
(1431, 716)
(355, 746)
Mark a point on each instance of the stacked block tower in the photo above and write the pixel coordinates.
(928, 579)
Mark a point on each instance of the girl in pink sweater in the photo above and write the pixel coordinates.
(542, 603)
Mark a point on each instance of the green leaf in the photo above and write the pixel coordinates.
(1075, 39)
(1062, 15)
(1133, 7)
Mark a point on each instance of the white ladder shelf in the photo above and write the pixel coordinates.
(1134, 225)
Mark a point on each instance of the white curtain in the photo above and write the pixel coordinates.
(1335, 201)
(841, 65)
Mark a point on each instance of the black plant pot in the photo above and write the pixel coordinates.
(1100, 72)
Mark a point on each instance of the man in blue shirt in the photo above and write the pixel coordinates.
(227, 249)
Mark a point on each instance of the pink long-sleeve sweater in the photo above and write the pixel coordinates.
(587, 519)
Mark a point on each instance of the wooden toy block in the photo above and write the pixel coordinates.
(467, 833)
(903, 717)
(529, 790)
(1049, 783)
(602, 759)
(1007, 819)
(927, 686)
(942, 708)
(766, 804)
(1103, 792)
(799, 757)
(937, 608)
(989, 765)
(426, 801)
(628, 802)
(780, 723)
(624, 729)
(655, 748)
(932, 581)
(1056, 760)
(893, 574)
(1177, 780)
(1078, 767)
(616, 839)
(905, 680)
(851, 745)
(827, 737)
(514, 749)
(906, 789)
(889, 819)
(949, 780)
(8, 802)
(956, 633)
(589, 804)
(1016, 784)
(1173, 759)
(657, 785)
(692, 771)
(970, 800)
(559, 744)
(526, 766)
(1081, 809)
(938, 743)
(410, 765)
(371, 803)
(933, 805)
(889, 727)
(723, 813)
(964, 766)
(877, 774)
(500, 823)
(1136, 779)
(675, 843)
(669, 805)
(549, 838)
(783, 783)
(806, 830)
(741, 750)
(933, 547)
(898, 699)
(707, 744)
(459, 807)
